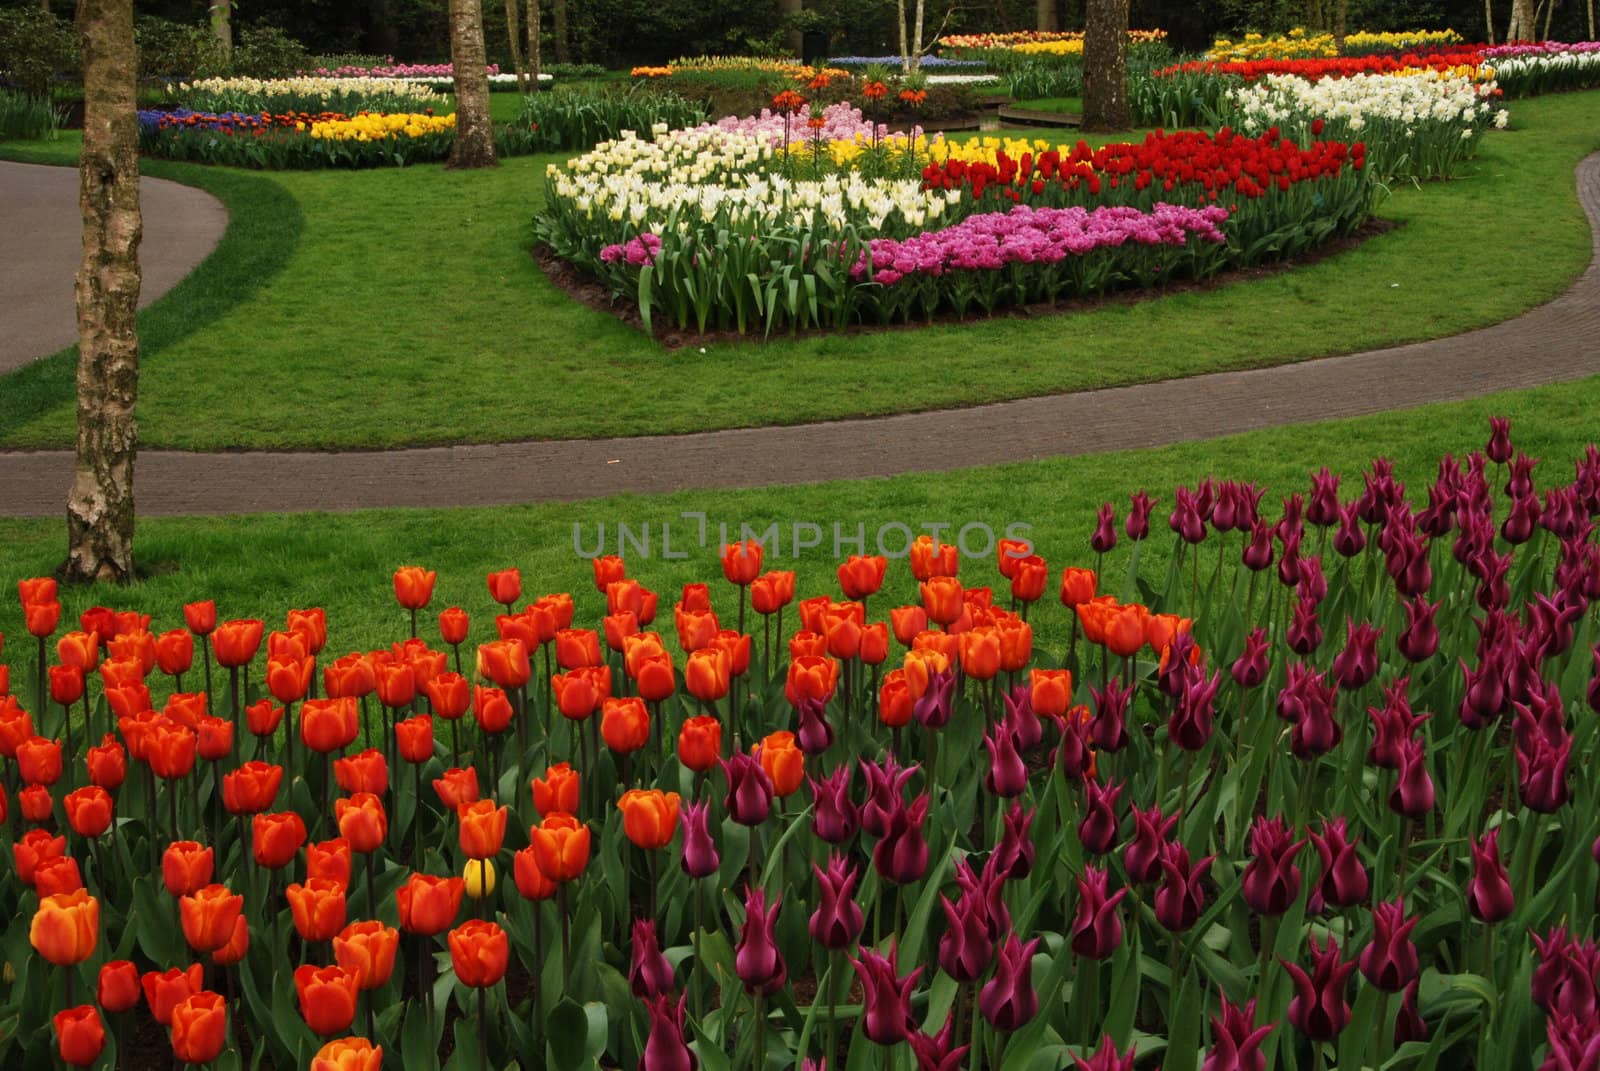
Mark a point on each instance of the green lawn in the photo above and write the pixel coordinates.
(1053, 104)
(262, 566)
(390, 307)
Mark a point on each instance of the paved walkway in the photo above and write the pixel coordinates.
(1554, 343)
(43, 242)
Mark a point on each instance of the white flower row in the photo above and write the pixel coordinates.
(305, 85)
(1564, 62)
(963, 79)
(449, 83)
(1362, 99)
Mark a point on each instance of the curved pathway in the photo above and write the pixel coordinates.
(1553, 343)
(39, 215)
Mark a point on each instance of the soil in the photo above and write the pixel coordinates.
(585, 288)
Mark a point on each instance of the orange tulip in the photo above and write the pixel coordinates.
(1029, 578)
(428, 904)
(811, 678)
(81, 649)
(329, 724)
(700, 743)
(579, 693)
(348, 1054)
(80, 1035)
(1016, 642)
(1125, 630)
(557, 790)
(941, 598)
(236, 642)
(482, 828)
(175, 651)
(737, 646)
(201, 617)
(618, 627)
(741, 562)
(138, 647)
(479, 951)
(608, 569)
(237, 946)
(930, 559)
(275, 838)
(1093, 615)
(327, 994)
(251, 788)
(311, 626)
(318, 908)
(128, 700)
(456, 787)
(213, 738)
(185, 708)
(107, 763)
(808, 644)
(414, 738)
(39, 760)
(625, 724)
(907, 621)
(531, 882)
(33, 848)
(842, 633)
(169, 749)
(1077, 586)
(655, 680)
(875, 644)
(771, 592)
(54, 876)
(894, 699)
(199, 1028)
(505, 587)
(208, 916)
(1159, 630)
(117, 986)
(505, 662)
(491, 709)
(453, 625)
(1009, 552)
(980, 653)
(349, 677)
(397, 683)
(41, 618)
(450, 694)
(66, 928)
(577, 647)
(560, 847)
(413, 586)
(165, 990)
(366, 771)
(262, 717)
(362, 821)
(696, 598)
(629, 596)
(89, 811)
(920, 666)
(861, 575)
(784, 762)
(329, 859)
(368, 949)
(649, 817)
(118, 672)
(706, 673)
(36, 589)
(1051, 691)
(696, 628)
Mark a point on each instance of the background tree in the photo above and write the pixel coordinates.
(474, 141)
(100, 501)
(1045, 14)
(558, 30)
(788, 10)
(533, 42)
(512, 33)
(1105, 66)
(222, 24)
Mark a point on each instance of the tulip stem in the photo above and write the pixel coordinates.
(483, 1024)
(566, 938)
(372, 910)
(44, 675)
(835, 971)
(1382, 1027)
(756, 1060)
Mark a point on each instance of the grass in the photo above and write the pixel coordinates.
(264, 565)
(1073, 105)
(392, 307)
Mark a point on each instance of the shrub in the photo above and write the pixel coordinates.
(36, 48)
(580, 119)
(268, 52)
(170, 50)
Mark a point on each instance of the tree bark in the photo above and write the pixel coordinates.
(513, 32)
(1105, 66)
(558, 29)
(794, 40)
(222, 23)
(1549, 14)
(100, 501)
(900, 28)
(1524, 21)
(1488, 20)
(1045, 15)
(533, 42)
(916, 37)
(474, 141)
(1342, 12)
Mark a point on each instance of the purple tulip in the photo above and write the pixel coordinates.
(756, 959)
(1304, 634)
(1593, 692)
(1020, 720)
(1412, 795)
(665, 1048)
(1257, 553)
(1393, 726)
(1098, 829)
(1250, 668)
(902, 855)
(649, 973)
(1542, 774)
(838, 920)
(966, 949)
(750, 791)
(1322, 506)
(835, 816)
(1489, 895)
(1289, 560)
(986, 891)
(1498, 447)
(1008, 1000)
(1409, 1024)
(1350, 539)
(1176, 659)
(1109, 728)
(700, 859)
(1138, 523)
(1344, 882)
(1106, 1058)
(1151, 831)
(1564, 981)
(885, 788)
(1483, 694)
(1096, 928)
(933, 708)
(1357, 664)
(1191, 722)
(1551, 624)
(1312, 586)
(1316, 732)
(1185, 519)
(1073, 753)
(1236, 1039)
(1013, 856)
(1181, 899)
(933, 1051)
(812, 733)
(1319, 1010)
(1520, 522)
(1105, 529)
(1271, 881)
(886, 1017)
(1390, 959)
(1008, 774)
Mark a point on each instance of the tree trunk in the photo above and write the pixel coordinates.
(1549, 13)
(900, 28)
(1105, 66)
(100, 501)
(513, 32)
(1591, 20)
(533, 42)
(1524, 22)
(1342, 12)
(916, 38)
(385, 38)
(794, 40)
(222, 24)
(474, 141)
(1488, 20)
(558, 28)
(1045, 12)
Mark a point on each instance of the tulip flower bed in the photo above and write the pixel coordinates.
(277, 141)
(706, 225)
(303, 94)
(1315, 788)
(1299, 44)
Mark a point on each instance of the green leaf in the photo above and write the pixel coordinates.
(567, 1031)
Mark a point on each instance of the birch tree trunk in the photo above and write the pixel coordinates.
(900, 28)
(558, 27)
(100, 501)
(474, 141)
(533, 42)
(1488, 20)
(1045, 15)
(222, 24)
(916, 38)
(1105, 66)
(1524, 21)
(514, 32)
(1340, 16)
